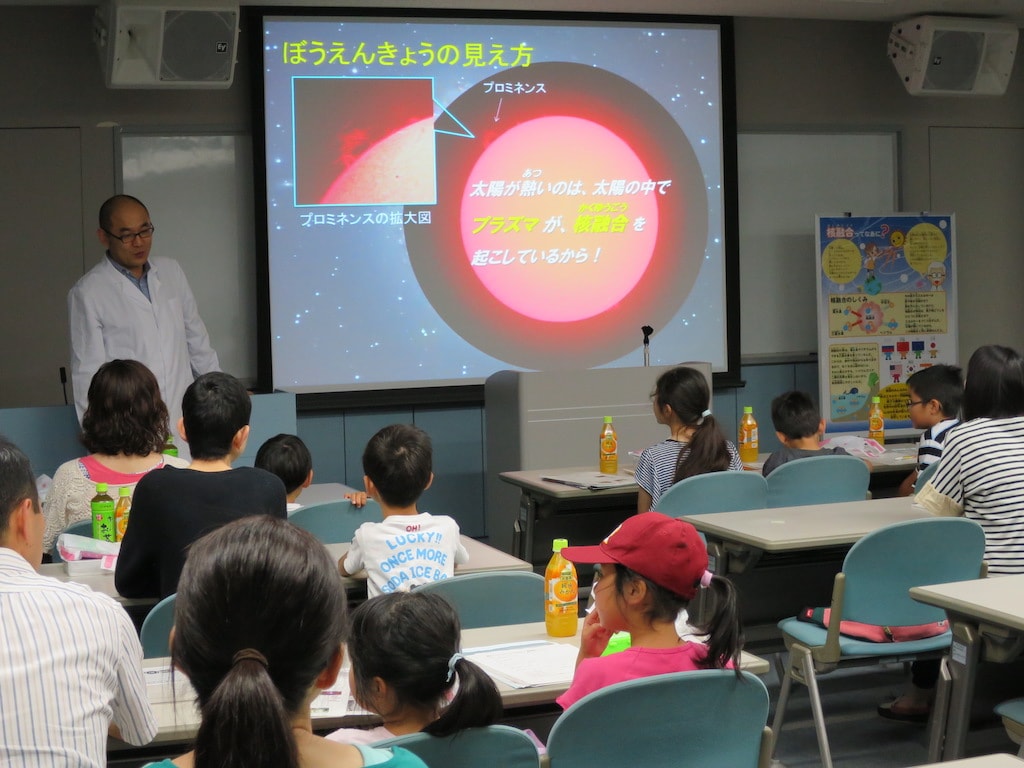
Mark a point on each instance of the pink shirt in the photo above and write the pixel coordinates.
(631, 664)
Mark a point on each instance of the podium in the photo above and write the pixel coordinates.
(549, 419)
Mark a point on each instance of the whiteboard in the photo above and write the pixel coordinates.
(785, 180)
(198, 188)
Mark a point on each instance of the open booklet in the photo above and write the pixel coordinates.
(590, 481)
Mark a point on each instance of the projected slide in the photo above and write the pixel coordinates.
(450, 199)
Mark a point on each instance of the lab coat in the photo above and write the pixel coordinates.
(111, 319)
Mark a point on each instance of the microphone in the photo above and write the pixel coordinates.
(64, 383)
(647, 331)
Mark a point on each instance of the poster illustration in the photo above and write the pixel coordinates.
(886, 308)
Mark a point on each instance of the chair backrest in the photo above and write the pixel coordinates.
(925, 475)
(715, 492)
(708, 718)
(156, 629)
(494, 598)
(818, 480)
(496, 746)
(81, 528)
(335, 522)
(881, 568)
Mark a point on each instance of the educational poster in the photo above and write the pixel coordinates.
(886, 308)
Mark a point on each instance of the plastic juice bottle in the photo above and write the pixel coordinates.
(876, 421)
(170, 449)
(561, 603)
(608, 450)
(748, 436)
(122, 510)
(102, 509)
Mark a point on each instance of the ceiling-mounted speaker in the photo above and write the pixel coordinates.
(188, 44)
(953, 56)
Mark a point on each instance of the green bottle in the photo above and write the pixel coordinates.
(102, 508)
(170, 449)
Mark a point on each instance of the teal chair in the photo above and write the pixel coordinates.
(710, 718)
(335, 522)
(496, 746)
(715, 492)
(818, 480)
(925, 475)
(156, 629)
(874, 588)
(81, 528)
(493, 598)
(1012, 713)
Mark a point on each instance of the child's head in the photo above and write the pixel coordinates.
(404, 648)
(125, 413)
(659, 563)
(794, 416)
(259, 619)
(287, 457)
(397, 463)
(683, 392)
(936, 393)
(994, 386)
(215, 415)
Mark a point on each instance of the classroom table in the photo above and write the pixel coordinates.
(177, 717)
(1001, 760)
(987, 621)
(782, 559)
(482, 558)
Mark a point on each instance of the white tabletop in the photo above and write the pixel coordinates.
(531, 480)
(985, 761)
(816, 526)
(995, 600)
(178, 719)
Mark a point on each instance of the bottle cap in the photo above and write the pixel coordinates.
(101, 487)
(748, 409)
(559, 544)
(876, 399)
(124, 490)
(607, 419)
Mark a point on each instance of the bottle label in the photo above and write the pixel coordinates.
(563, 593)
(609, 445)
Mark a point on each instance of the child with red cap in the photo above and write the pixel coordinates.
(648, 570)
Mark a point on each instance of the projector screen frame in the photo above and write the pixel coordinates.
(472, 393)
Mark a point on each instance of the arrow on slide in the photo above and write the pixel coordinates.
(497, 112)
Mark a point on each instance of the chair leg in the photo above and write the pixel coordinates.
(939, 716)
(811, 681)
(780, 705)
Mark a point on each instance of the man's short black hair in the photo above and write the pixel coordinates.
(111, 204)
(398, 460)
(287, 457)
(944, 383)
(17, 482)
(214, 408)
(795, 415)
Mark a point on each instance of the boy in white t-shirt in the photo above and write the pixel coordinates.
(409, 547)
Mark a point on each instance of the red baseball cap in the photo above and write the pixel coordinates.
(663, 549)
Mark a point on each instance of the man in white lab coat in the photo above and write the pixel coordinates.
(130, 306)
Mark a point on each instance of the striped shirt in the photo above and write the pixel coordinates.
(70, 664)
(657, 466)
(929, 447)
(981, 476)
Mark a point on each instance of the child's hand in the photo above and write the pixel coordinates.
(595, 636)
(358, 498)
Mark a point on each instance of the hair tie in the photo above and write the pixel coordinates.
(706, 413)
(249, 654)
(705, 580)
(451, 665)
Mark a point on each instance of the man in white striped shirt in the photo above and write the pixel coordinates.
(70, 661)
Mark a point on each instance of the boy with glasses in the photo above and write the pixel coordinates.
(935, 394)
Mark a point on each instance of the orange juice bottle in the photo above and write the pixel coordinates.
(561, 601)
(876, 421)
(608, 448)
(748, 436)
(122, 510)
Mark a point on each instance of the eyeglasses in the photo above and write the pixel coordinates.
(912, 403)
(145, 233)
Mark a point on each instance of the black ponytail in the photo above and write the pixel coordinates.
(686, 392)
(410, 640)
(708, 451)
(259, 615)
(725, 637)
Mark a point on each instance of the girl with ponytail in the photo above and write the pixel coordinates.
(258, 625)
(682, 402)
(405, 656)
